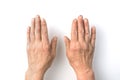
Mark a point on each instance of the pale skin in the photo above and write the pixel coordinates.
(79, 49)
(40, 51)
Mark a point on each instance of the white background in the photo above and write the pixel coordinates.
(15, 16)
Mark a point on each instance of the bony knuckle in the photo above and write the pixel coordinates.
(87, 33)
(46, 47)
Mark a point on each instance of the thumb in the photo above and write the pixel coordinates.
(53, 45)
(67, 42)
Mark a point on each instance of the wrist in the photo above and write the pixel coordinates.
(84, 74)
(32, 75)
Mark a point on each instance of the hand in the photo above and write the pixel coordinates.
(81, 47)
(40, 52)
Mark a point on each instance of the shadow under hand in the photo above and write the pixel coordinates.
(54, 71)
(98, 64)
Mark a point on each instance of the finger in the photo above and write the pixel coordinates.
(80, 28)
(93, 36)
(44, 32)
(37, 28)
(67, 42)
(87, 32)
(28, 35)
(74, 30)
(53, 45)
(32, 29)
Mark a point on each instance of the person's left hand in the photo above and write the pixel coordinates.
(39, 50)
(80, 49)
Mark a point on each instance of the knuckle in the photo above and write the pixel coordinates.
(80, 31)
(46, 47)
(87, 33)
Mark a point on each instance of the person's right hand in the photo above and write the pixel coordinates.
(81, 47)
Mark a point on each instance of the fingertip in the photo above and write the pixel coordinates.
(37, 16)
(80, 17)
(86, 20)
(74, 20)
(55, 38)
(74, 23)
(64, 38)
(43, 21)
(37, 19)
(93, 29)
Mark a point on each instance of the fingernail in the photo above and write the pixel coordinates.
(55, 38)
(80, 16)
(86, 20)
(75, 20)
(37, 16)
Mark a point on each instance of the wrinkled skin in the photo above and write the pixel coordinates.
(39, 50)
(80, 49)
